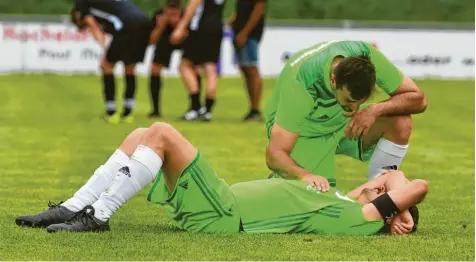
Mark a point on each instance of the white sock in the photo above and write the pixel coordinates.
(141, 169)
(387, 155)
(100, 181)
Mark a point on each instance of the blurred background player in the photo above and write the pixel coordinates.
(164, 20)
(248, 24)
(203, 18)
(130, 29)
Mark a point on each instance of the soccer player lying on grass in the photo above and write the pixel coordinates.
(198, 201)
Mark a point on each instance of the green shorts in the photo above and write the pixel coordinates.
(200, 201)
(317, 154)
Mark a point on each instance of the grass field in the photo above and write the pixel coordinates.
(52, 139)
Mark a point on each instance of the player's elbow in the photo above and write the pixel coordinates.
(421, 187)
(422, 101)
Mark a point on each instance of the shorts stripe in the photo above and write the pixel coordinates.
(207, 192)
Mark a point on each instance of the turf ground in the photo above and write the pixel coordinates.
(51, 141)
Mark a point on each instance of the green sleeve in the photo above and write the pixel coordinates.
(294, 105)
(389, 77)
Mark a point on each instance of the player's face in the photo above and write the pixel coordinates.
(346, 101)
(369, 194)
(173, 15)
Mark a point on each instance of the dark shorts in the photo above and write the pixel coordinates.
(201, 48)
(128, 48)
(163, 51)
(248, 55)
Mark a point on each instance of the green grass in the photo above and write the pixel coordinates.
(51, 141)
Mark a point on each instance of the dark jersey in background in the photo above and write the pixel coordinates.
(244, 8)
(115, 16)
(208, 17)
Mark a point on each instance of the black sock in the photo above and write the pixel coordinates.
(199, 80)
(209, 104)
(195, 101)
(254, 111)
(109, 88)
(155, 86)
(129, 94)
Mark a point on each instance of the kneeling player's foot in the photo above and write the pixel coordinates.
(129, 119)
(112, 119)
(55, 214)
(84, 221)
(191, 115)
(154, 114)
(253, 116)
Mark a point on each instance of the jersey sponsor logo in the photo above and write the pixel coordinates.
(114, 20)
(312, 51)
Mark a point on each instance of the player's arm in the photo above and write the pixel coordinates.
(294, 105)
(95, 30)
(160, 25)
(406, 98)
(398, 199)
(258, 12)
(189, 13)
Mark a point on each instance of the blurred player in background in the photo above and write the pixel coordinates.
(130, 29)
(203, 20)
(316, 111)
(165, 21)
(248, 24)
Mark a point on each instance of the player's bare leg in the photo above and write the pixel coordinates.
(189, 78)
(160, 147)
(109, 88)
(254, 85)
(129, 93)
(211, 90)
(391, 135)
(90, 192)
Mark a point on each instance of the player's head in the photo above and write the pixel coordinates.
(75, 18)
(354, 81)
(173, 11)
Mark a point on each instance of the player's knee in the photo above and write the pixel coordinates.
(159, 131)
(107, 67)
(129, 70)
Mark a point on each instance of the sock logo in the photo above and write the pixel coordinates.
(394, 167)
(125, 171)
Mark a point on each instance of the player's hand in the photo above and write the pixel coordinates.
(319, 182)
(360, 124)
(401, 224)
(240, 39)
(178, 35)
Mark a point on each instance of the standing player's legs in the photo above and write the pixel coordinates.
(248, 60)
(109, 83)
(155, 85)
(190, 80)
(130, 91)
(385, 145)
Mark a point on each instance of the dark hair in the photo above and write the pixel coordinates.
(173, 4)
(415, 215)
(357, 73)
(73, 20)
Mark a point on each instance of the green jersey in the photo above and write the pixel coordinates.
(289, 206)
(303, 100)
